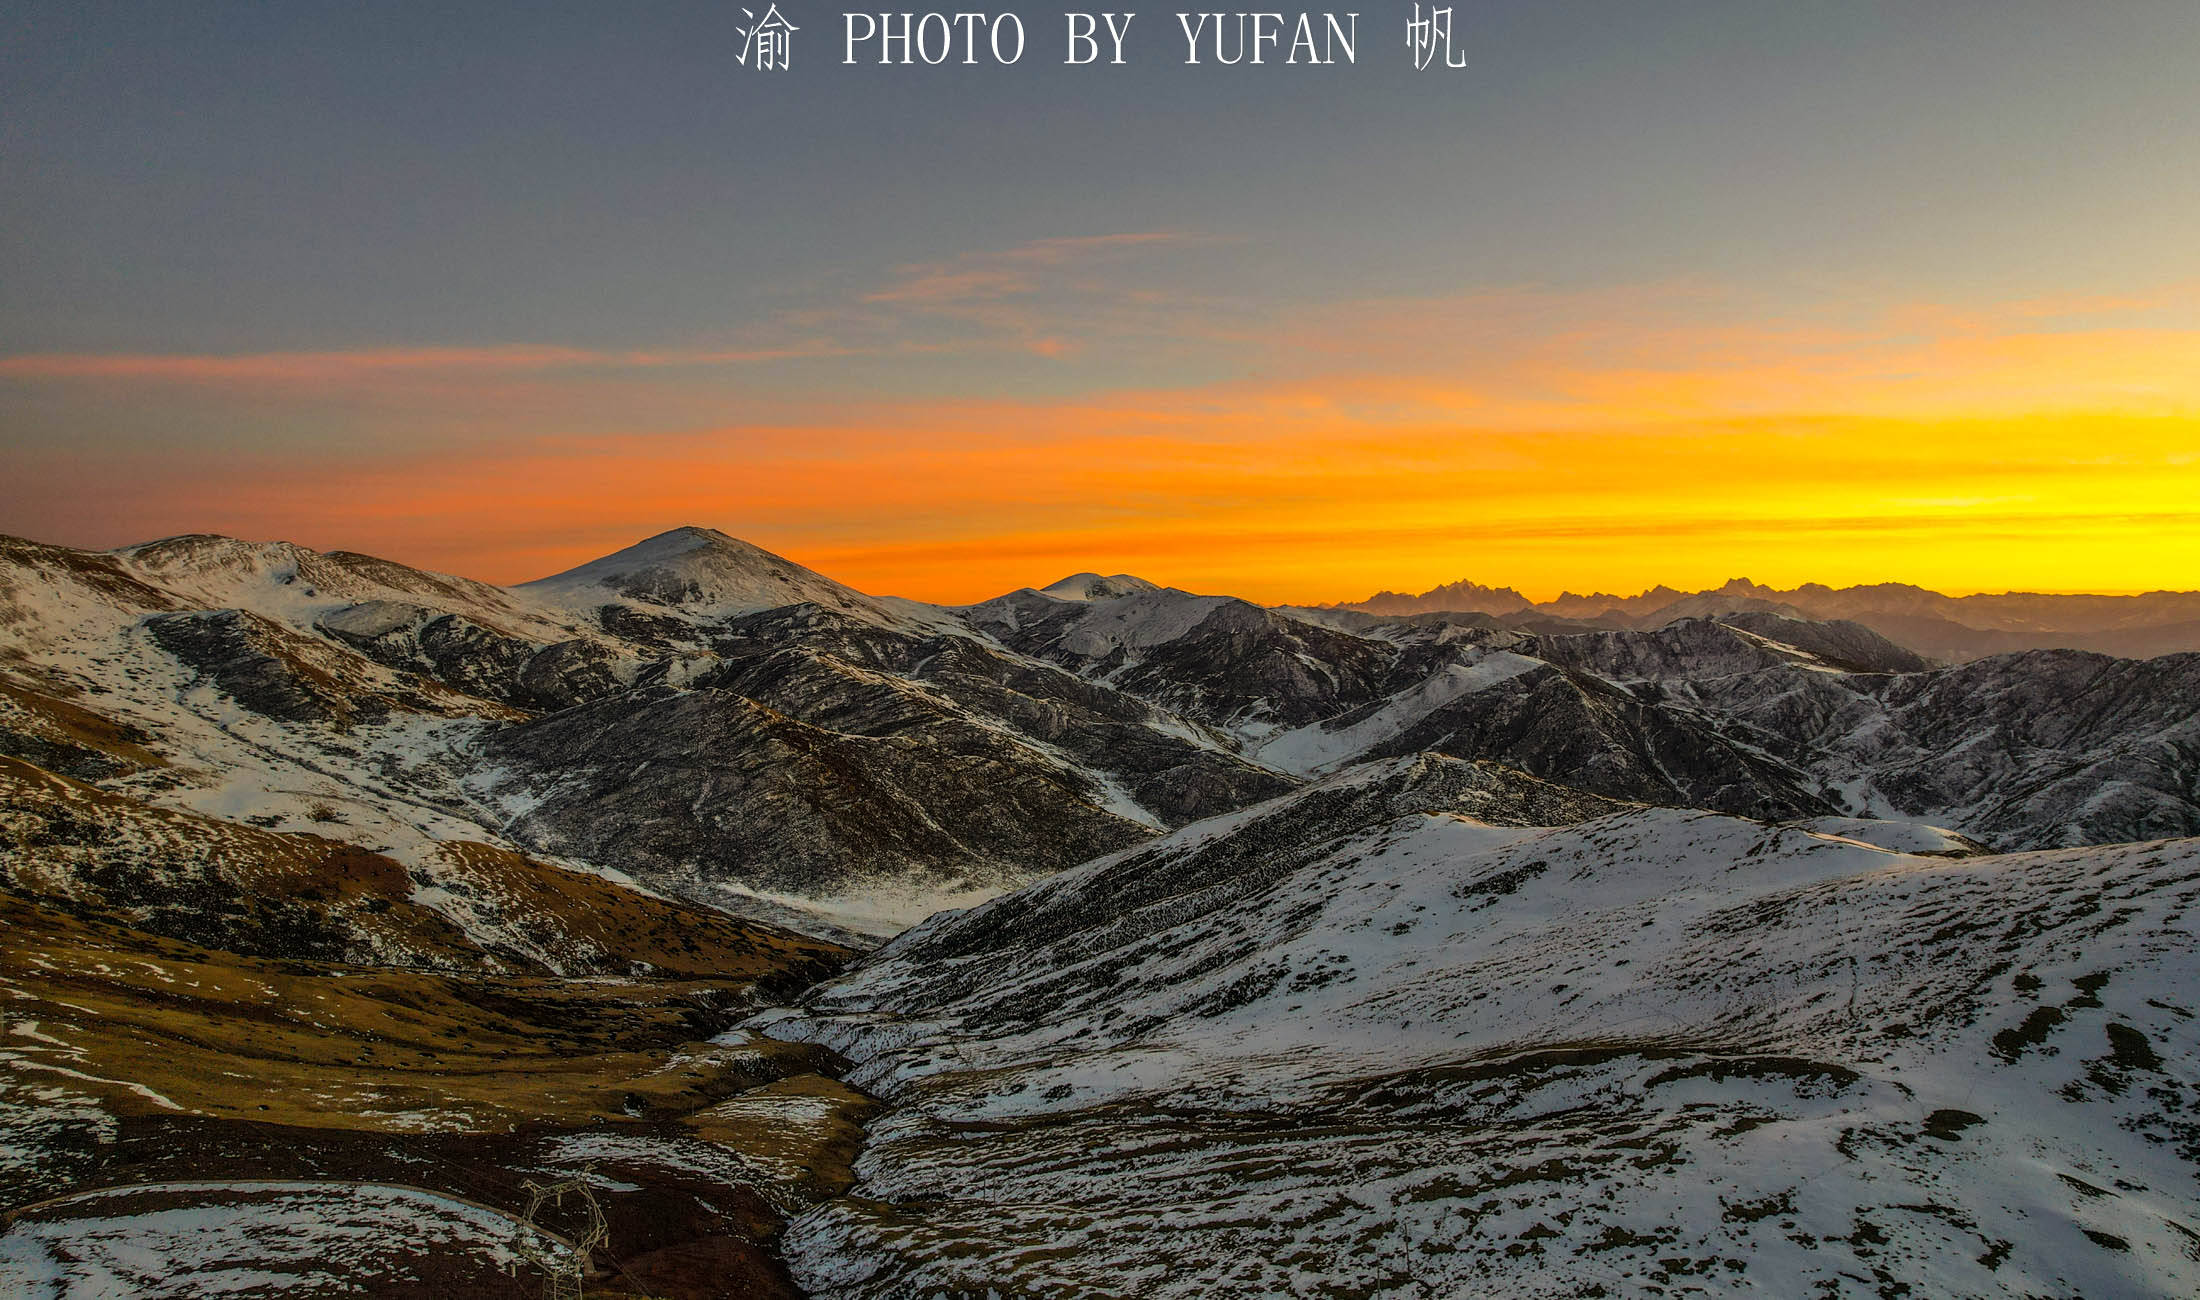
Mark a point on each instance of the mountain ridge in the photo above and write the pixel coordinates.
(1463, 951)
(428, 707)
(1950, 628)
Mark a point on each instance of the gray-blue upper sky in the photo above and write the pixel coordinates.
(214, 176)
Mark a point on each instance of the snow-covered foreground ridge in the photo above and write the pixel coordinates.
(1655, 1052)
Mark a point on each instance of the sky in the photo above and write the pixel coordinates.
(1647, 291)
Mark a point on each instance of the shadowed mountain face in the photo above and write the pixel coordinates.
(790, 806)
(1220, 661)
(1756, 714)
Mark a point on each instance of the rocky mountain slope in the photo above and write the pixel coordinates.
(1756, 714)
(453, 906)
(1369, 1038)
(2043, 749)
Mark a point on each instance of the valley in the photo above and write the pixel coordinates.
(206, 1078)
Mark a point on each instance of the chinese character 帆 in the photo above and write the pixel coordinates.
(765, 38)
(1425, 36)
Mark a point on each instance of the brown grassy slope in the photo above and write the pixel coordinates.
(577, 912)
(153, 1026)
(62, 736)
(138, 1059)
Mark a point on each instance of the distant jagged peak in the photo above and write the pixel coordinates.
(1091, 587)
(1462, 597)
(1572, 604)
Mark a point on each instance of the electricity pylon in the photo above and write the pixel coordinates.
(562, 1267)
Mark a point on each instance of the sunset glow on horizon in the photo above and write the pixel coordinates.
(1628, 440)
(1822, 327)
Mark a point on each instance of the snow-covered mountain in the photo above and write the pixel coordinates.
(1091, 586)
(1376, 1037)
(1299, 951)
(289, 584)
(2036, 750)
(693, 711)
(702, 575)
(718, 721)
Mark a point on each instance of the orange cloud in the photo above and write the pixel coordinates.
(1011, 271)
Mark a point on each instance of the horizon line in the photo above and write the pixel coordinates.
(1565, 592)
